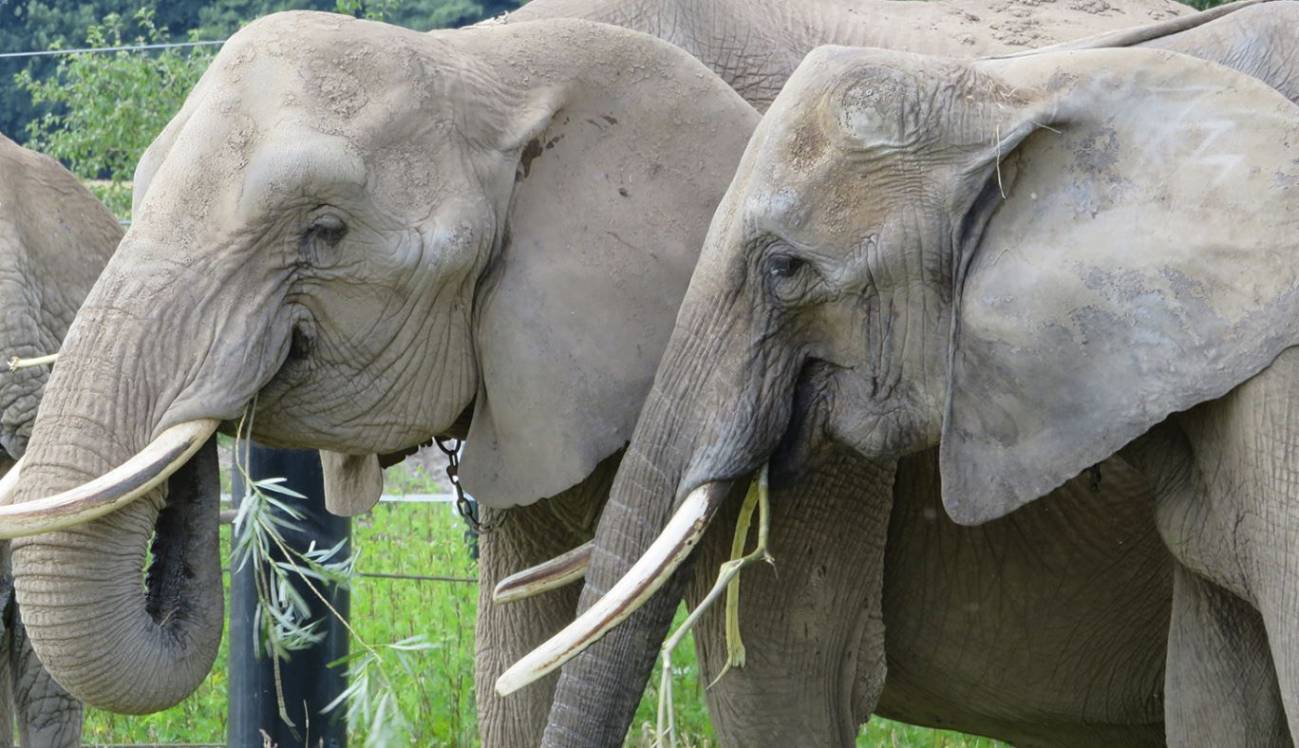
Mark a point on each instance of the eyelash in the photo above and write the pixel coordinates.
(788, 277)
(324, 232)
(783, 265)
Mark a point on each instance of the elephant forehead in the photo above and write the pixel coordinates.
(872, 98)
(775, 202)
(827, 202)
(287, 165)
(341, 72)
(787, 157)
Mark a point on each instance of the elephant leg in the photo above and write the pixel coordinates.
(523, 537)
(48, 717)
(1221, 687)
(6, 672)
(812, 625)
(1228, 509)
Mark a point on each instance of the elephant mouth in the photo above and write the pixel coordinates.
(302, 341)
(298, 363)
(811, 419)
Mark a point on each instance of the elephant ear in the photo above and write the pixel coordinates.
(1142, 261)
(627, 146)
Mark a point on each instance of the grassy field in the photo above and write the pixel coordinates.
(437, 694)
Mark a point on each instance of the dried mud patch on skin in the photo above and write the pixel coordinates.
(1104, 186)
(1098, 152)
(1019, 33)
(1286, 176)
(337, 89)
(1021, 27)
(807, 145)
(1094, 7)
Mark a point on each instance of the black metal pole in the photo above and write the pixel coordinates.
(308, 684)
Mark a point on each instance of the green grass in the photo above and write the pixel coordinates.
(437, 694)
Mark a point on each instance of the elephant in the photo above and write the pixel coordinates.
(55, 237)
(365, 237)
(428, 288)
(792, 333)
(362, 231)
(755, 45)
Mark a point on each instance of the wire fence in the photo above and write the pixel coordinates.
(99, 50)
(416, 579)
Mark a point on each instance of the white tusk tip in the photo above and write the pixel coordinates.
(511, 681)
(645, 577)
(562, 570)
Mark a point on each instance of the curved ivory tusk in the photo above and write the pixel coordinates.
(113, 490)
(10, 482)
(566, 568)
(645, 577)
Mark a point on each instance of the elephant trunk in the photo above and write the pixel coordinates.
(114, 639)
(126, 610)
(598, 691)
(702, 432)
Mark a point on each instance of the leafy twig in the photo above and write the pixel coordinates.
(283, 619)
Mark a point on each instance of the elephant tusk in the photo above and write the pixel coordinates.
(650, 572)
(728, 581)
(113, 490)
(566, 568)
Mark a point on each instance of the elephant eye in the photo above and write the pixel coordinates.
(327, 228)
(781, 265)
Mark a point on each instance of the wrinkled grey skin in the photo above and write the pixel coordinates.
(445, 279)
(368, 230)
(321, 320)
(44, 713)
(771, 355)
(55, 237)
(754, 45)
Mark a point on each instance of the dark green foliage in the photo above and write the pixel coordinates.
(27, 25)
(103, 110)
(31, 25)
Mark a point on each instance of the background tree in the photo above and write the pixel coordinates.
(97, 112)
(103, 110)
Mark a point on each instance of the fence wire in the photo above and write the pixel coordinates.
(416, 580)
(99, 50)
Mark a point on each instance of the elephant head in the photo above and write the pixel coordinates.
(363, 233)
(1026, 262)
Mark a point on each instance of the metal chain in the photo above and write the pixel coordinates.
(466, 507)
